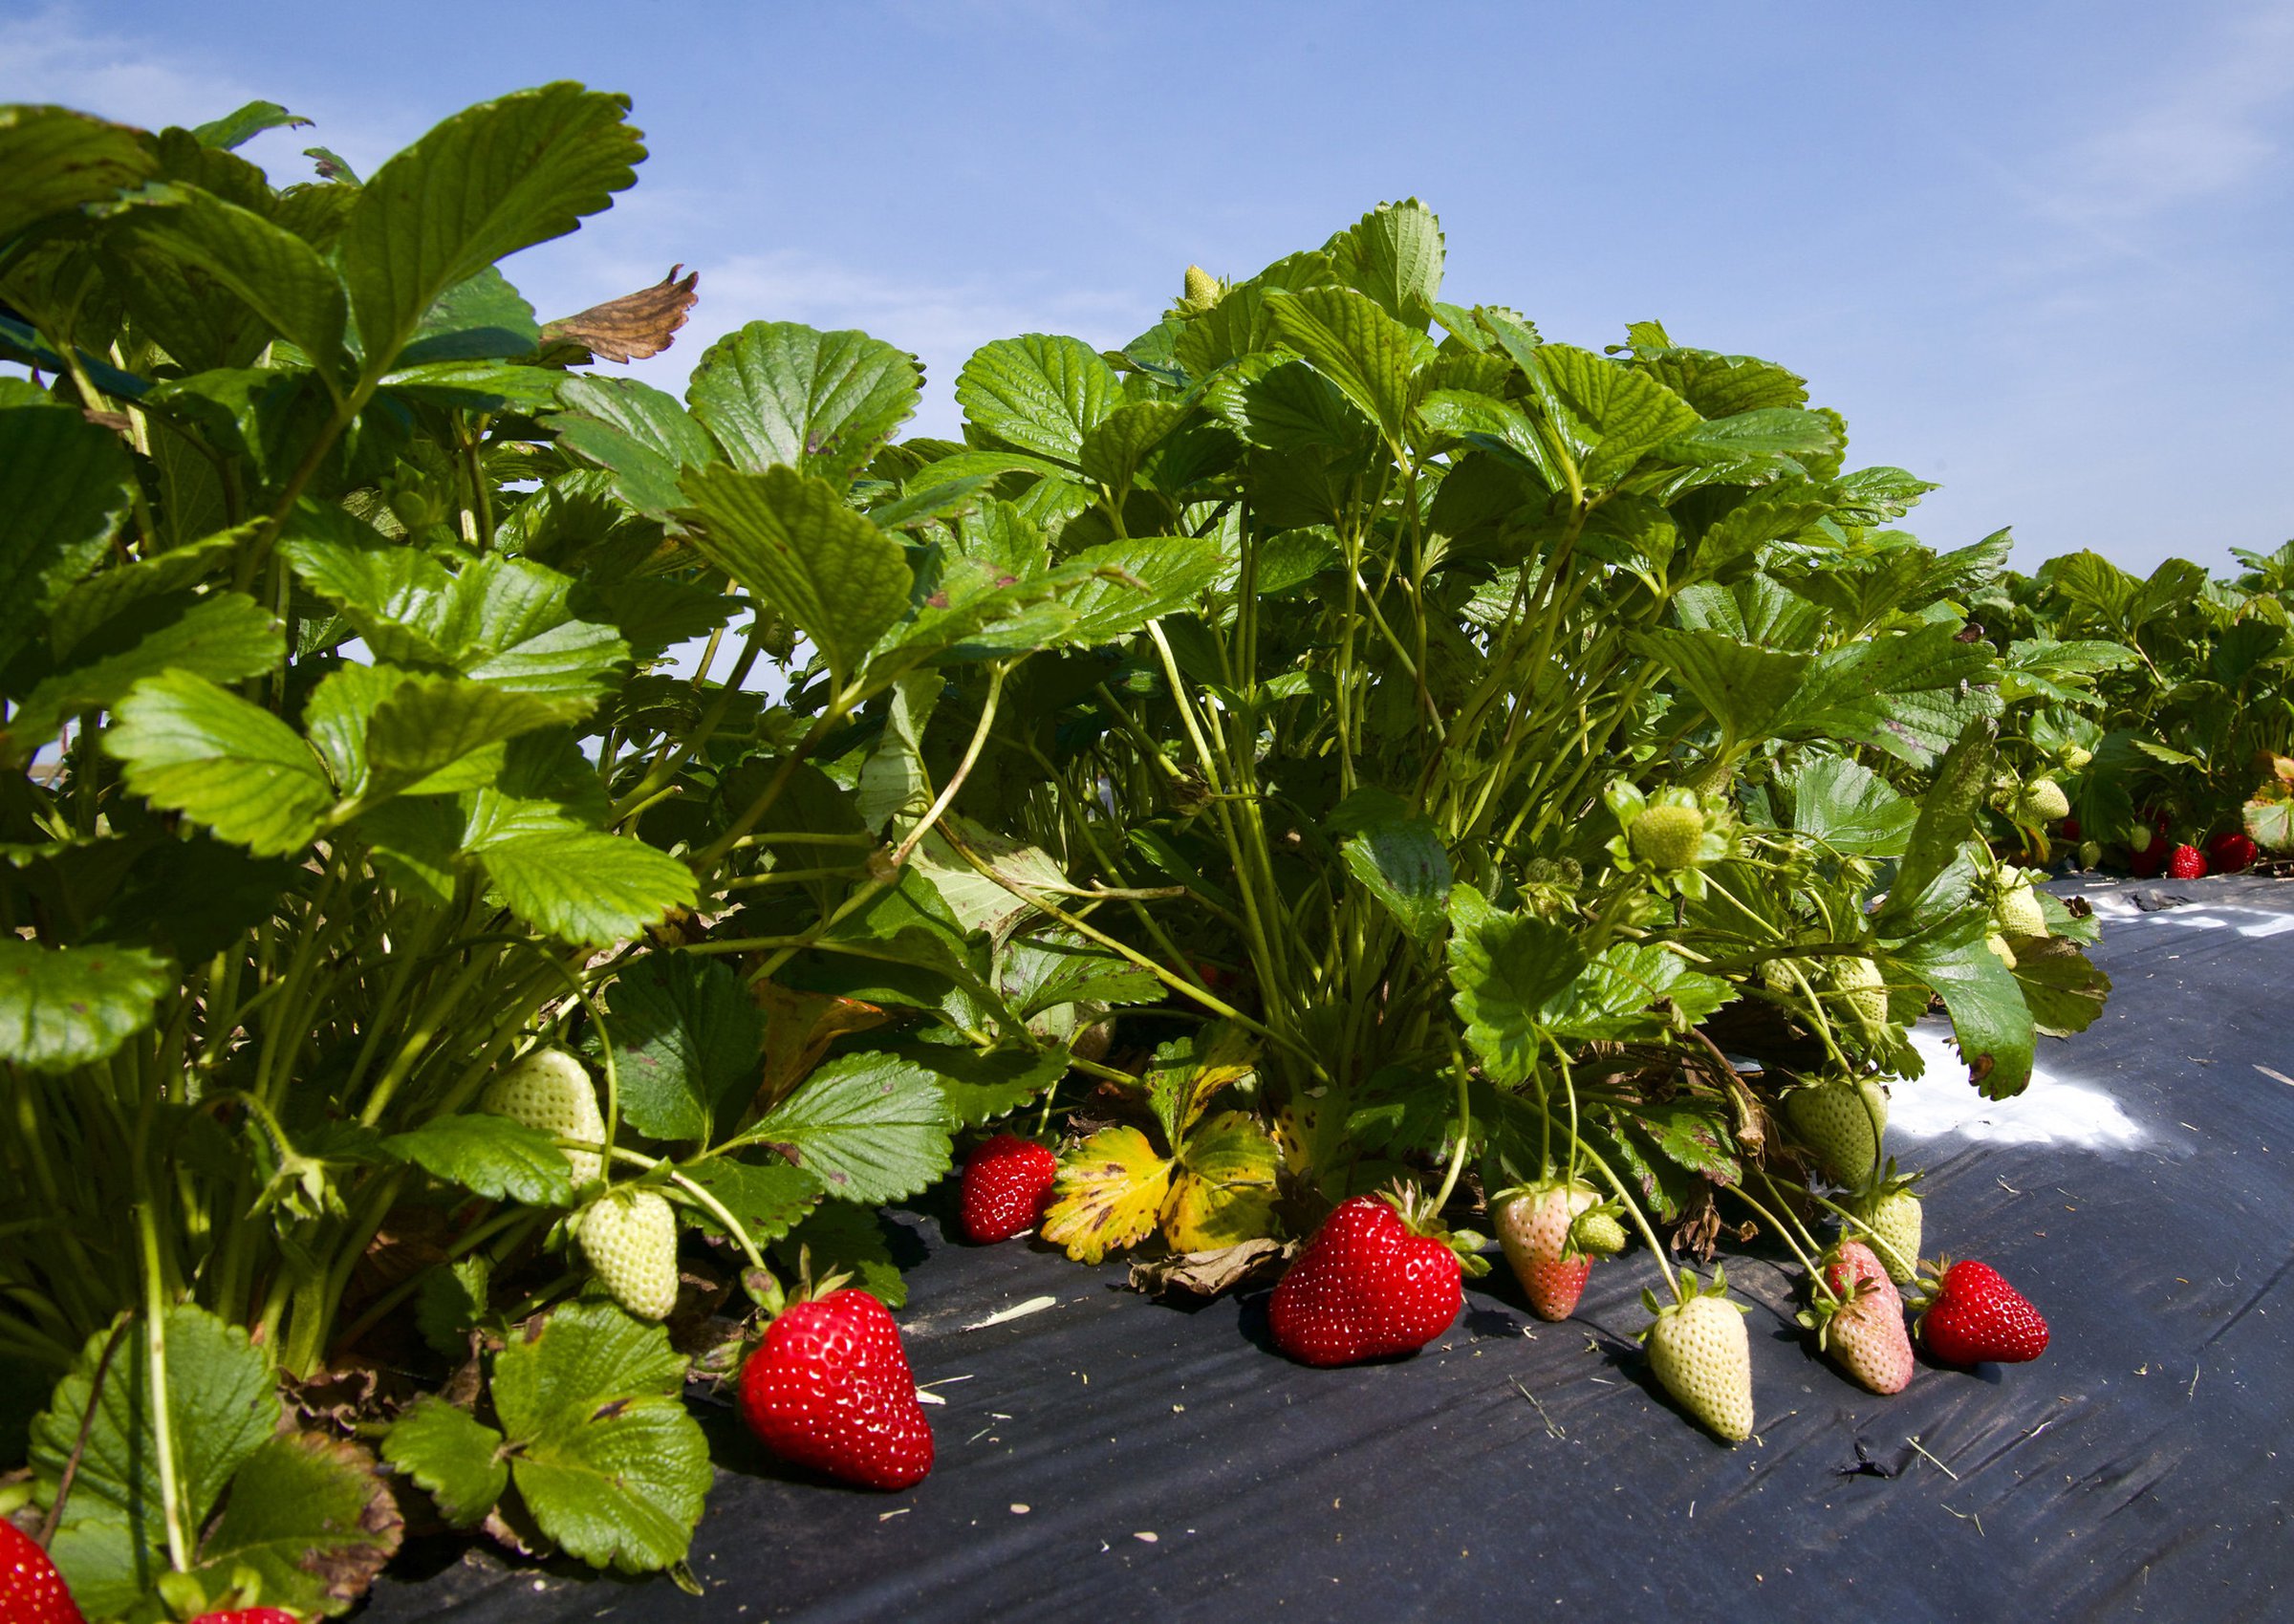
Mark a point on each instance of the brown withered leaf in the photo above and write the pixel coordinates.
(634, 326)
(798, 1028)
(1208, 1274)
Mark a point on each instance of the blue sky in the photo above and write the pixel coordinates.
(2040, 252)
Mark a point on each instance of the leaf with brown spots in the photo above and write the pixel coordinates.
(1110, 1194)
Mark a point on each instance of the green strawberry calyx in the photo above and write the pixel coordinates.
(1420, 1216)
(1691, 1289)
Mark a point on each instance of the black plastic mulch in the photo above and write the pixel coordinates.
(1109, 1458)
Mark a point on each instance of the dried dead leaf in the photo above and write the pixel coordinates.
(634, 326)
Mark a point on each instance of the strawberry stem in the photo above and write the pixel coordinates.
(1465, 1127)
(1784, 1233)
(1633, 1210)
(1870, 1236)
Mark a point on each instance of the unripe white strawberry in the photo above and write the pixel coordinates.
(630, 1238)
(1999, 949)
(1201, 292)
(1840, 1121)
(1700, 1351)
(2091, 852)
(551, 1091)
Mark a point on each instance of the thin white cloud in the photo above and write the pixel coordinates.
(49, 56)
(2213, 126)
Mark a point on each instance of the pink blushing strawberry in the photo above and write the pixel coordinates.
(1860, 1319)
(1533, 1226)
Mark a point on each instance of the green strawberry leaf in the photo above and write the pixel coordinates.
(111, 1544)
(310, 1515)
(688, 1040)
(788, 539)
(65, 484)
(496, 178)
(65, 1007)
(490, 1155)
(871, 1127)
(819, 403)
(456, 1459)
(191, 746)
(601, 1449)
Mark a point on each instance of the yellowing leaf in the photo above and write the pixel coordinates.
(1225, 1187)
(1220, 1054)
(1110, 1189)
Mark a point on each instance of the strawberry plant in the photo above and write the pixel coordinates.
(403, 943)
(1553, 723)
(504, 863)
(2159, 708)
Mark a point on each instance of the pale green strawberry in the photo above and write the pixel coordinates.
(2042, 801)
(550, 1090)
(2014, 908)
(1598, 1234)
(1700, 1353)
(1667, 836)
(1203, 290)
(1897, 1219)
(1858, 984)
(630, 1238)
(1840, 1121)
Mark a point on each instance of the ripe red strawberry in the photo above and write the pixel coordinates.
(2148, 863)
(1861, 1323)
(1533, 1227)
(1974, 1315)
(32, 1592)
(1371, 1282)
(1005, 1184)
(2070, 831)
(2231, 852)
(829, 1388)
(2186, 862)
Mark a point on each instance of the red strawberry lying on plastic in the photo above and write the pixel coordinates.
(2230, 853)
(2186, 862)
(1377, 1278)
(1973, 1316)
(829, 1388)
(1005, 1184)
(32, 1592)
